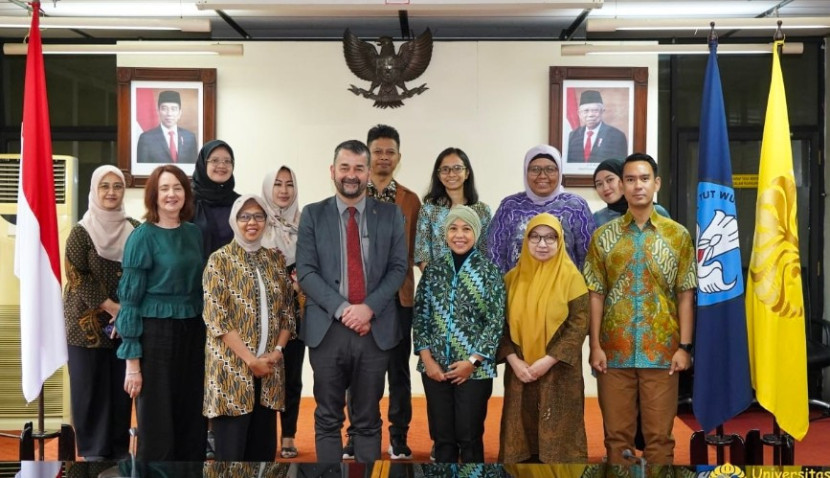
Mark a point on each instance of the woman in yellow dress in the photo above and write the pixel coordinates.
(547, 321)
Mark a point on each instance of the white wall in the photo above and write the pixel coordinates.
(287, 102)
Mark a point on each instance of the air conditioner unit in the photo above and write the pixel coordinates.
(14, 411)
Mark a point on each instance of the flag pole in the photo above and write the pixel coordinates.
(715, 329)
(782, 443)
(41, 426)
(37, 257)
(718, 440)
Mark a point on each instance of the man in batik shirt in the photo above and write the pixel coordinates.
(640, 271)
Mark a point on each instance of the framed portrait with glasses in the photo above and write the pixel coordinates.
(596, 114)
(164, 117)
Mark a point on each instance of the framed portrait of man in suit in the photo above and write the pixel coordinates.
(165, 115)
(596, 114)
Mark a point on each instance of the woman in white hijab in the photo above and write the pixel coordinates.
(94, 250)
(249, 316)
(279, 190)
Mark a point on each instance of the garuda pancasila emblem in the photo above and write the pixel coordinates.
(387, 70)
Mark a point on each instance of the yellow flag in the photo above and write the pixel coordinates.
(774, 300)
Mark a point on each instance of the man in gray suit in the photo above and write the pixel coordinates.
(351, 261)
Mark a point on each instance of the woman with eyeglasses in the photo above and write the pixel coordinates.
(94, 250)
(609, 186)
(543, 193)
(547, 321)
(452, 184)
(160, 323)
(249, 312)
(213, 184)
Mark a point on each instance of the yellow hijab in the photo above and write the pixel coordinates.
(538, 293)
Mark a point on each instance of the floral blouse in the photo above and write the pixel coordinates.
(431, 238)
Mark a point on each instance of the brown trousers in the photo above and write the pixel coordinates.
(619, 391)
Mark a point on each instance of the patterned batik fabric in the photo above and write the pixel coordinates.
(387, 195)
(506, 232)
(640, 273)
(431, 238)
(459, 314)
(232, 302)
(90, 280)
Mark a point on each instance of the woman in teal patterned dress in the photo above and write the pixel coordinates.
(457, 325)
(452, 184)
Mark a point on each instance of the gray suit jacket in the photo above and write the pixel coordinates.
(319, 267)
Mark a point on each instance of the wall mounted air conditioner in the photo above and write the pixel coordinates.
(14, 411)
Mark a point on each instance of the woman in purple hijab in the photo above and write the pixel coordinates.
(543, 193)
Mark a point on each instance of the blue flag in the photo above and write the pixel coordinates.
(721, 370)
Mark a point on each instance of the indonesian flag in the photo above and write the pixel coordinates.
(37, 257)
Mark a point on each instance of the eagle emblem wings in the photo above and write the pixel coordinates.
(386, 70)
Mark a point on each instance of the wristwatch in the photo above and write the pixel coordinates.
(279, 347)
(476, 362)
(686, 347)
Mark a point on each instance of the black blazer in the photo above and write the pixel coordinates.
(609, 144)
(153, 147)
(319, 268)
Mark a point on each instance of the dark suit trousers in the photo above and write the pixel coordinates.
(458, 413)
(169, 409)
(345, 360)
(101, 409)
(400, 382)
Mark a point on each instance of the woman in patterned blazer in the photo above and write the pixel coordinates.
(250, 318)
(457, 325)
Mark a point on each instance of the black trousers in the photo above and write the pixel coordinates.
(457, 414)
(170, 422)
(345, 360)
(294, 354)
(400, 381)
(249, 437)
(101, 409)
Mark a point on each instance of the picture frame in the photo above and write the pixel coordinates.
(619, 95)
(147, 99)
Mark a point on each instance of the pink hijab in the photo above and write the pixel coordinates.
(108, 229)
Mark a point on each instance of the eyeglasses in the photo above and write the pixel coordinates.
(550, 239)
(245, 217)
(537, 170)
(114, 187)
(457, 169)
(217, 162)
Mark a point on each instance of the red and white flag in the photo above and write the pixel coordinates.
(37, 257)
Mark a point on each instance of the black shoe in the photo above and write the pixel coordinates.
(398, 449)
(432, 453)
(348, 450)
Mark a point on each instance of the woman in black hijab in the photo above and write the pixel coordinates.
(609, 185)
(213, 185)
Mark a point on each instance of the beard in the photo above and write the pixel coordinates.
(344, 183)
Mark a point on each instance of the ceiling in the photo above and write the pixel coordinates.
(448, 19)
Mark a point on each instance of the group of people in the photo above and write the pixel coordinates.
(215, 297)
